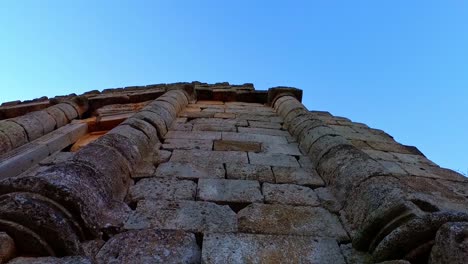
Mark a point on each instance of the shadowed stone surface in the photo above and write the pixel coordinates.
(272, 159)
(247, 248)
(7, 247)
(236, 191)
(231, 145)
(52, 260)
(150, 246)
(188, 144)
(182, 215)
(451, 244)
(290, 220)
(209, 157)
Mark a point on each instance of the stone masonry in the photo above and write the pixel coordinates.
(217, 173)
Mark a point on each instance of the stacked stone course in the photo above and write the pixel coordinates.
(199, 173)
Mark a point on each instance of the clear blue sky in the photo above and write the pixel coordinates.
(401, 66)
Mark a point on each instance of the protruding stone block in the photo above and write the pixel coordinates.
(185, 170)
(451, 244)
(231, 145)
(200, 157)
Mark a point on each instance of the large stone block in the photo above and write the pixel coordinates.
(201, 157)
(52, 260)
(206, 135)
(259, 124)
(259, 173)
(273, 159)
(254, 138)
(7, 247)
(185, 170)
(199, 217)
(249, 248)
(231, 145)
(229, 191)
(288, 149)
(150, 246)
(5, 144)
(289, 194)
(290, 220)
(155, 120)
(299, 176)
(162, 189)
(58, 115)
(263, 131)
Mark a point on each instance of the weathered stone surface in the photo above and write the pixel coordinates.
(150, 246)
(187, 144)
(149, 130)
(58, 115)
(182, 215)
(219, 122)
(299, 176)
(232, 191)
(162, 189)
(219, 128)
(290, 220)
(7, 247)
(155, 119)
(201, 157)
(225, 115)
(20, 159)
(185, 170)
(5, 144)
(43, 217)
(451, 244)
(248, 248)
(231, 145)
(288, 149)
(353, 256)
(328, 200)
(69, 111)
(254, 138)
(258, 124)
(206, 135)
(52, 260)
(15, 133)
(259, 173)
(263, 131)
(289, 194)
(272, 159)
(137, 138)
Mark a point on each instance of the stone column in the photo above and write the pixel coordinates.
(20, 130)
(51, 212)
(389, 215)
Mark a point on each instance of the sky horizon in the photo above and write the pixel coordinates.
(399, 66)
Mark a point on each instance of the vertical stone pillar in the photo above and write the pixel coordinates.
(51, 212)
(390, 216)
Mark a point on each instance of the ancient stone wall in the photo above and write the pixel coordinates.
(199, 173)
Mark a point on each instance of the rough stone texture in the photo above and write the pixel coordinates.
(184, 170)
(234, 191)
(451, 244)
(272, 159)
(259, 173)
(290, 220)
(208, 157)
(150, 246)
(15, 133)
(328, 200)
(162, 189)
(353, 256)
(207, 135)
(52, 260)
(297, 176)
(254, 138)
(7, 247)
(231, 145)
(182, 215)
(247, 248)
(289, 194)
(188, 144)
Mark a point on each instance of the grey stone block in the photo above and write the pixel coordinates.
(259, 173)
(290, 220)
(254, 248)
(200, 217)
(162, 189)
(289, 194)
(272, 159)
(150, 246)
(299, 176)
(230, 191)
(185, 170)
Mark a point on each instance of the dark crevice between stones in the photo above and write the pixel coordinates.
(109, 232)
(236, 207)
(425, 206)
(133, 205)
(420, 254)
(199, 240)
